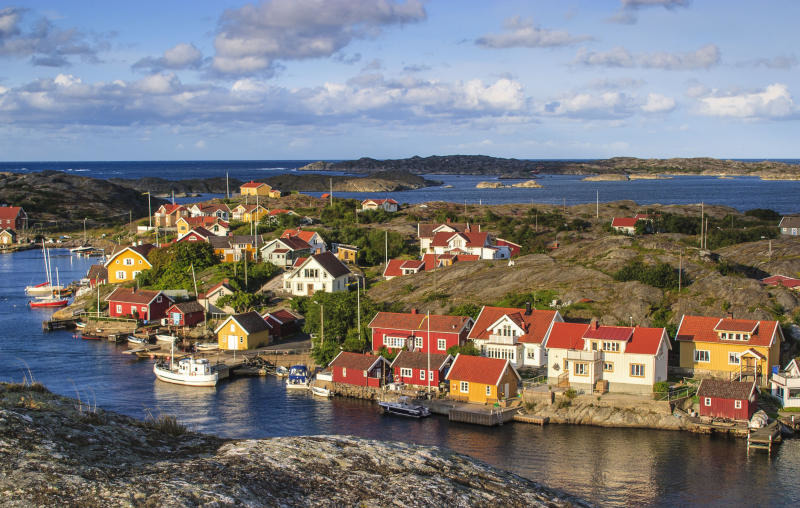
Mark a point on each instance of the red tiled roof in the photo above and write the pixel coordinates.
(781, 280)
(282, 315)
(535, 325)
(252, 185)
(431, 261)
(139, 296)
(477, 369)
(223, 283)
(624, 222)
(9, 212)
(736, 325)
(170, 209)
(306, 236)
(442, 238)
(299, 261)
(279, 211)
(412, 321)
(394, 268)
(608, 332)
(645, 341)
(476, 239)
(702, 329)
(567, 336)
(379, 201)
(204, 220)
(467, 257)
(419, 360)
(354, 361)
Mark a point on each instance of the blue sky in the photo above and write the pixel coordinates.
(337, 79)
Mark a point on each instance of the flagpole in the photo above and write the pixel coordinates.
(428, 374)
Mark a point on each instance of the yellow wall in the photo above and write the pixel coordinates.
(262, 190)
(719, 356)
(251, 341)
(117, 264)
(477, 391)
(346, 255)
(274, 193)
(183, 226)
(256, 215)
(6, 238)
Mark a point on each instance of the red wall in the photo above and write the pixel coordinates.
(190, 319)
(156, 311)
(414, 379)
(725, 408)
(353, 376)
(513, 249)
(452, 338)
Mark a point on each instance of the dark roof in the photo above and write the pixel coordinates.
(285, 316)
(295, 243)
(220, 242)
(137, 296)
(725, 389)
(98, 272)
(426, 230)
(355, 361)
(790, 221)
(252, 322)
(418, 360)
(189, 307)
(331, 264)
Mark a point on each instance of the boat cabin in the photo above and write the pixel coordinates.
(194, 366)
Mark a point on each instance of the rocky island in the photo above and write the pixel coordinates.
(529, 184)
(57, 451)
(382, 181)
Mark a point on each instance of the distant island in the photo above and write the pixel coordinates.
(379, 181)
(519, 168)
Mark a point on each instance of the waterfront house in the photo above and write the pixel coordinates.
(514, 334)
(388, 205)
(360, 369)
(8, 237)
(284, 252)
(399, 267)
(346, 253)
(186, 314)
(420, 369)
(167, 215)
(194, 235)
(790, 225)
(627, 359)
(249, 213)
(426, 232)
(396, 330)
(126, 263)
(252, 188)
(724, 347)
(283, 323)
(97, 274)
(310, 237)
(139, 303)
(781, 280)
(785, 384)
(214, 225)
(625, 225)
(13, 218)
(318, 272)
(482, 380)
(732, 400)
(243, 331)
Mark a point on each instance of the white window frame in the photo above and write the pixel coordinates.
(463, 386)
(344, 371)
(418, 342)
(737, 404)
(702, 356)
(611, 346)
(121, 275)
(488, 390)
(582, 367)
(119, 309)
(422, 375)
(441, 344)
(406, 372)
(733, 359)
(637, 370)
(707, 401)
(127, 262)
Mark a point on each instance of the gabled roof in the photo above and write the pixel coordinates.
(419, 322)
(9, 212)
(379, 201)
(329, 262)
(142, 250)
(479, 369)
(250, 208)
(428, 230)
(250, 322)
(294, 243)
(596, 331)
(307, 236)
(203, 220)
(781, 280)
(213, 207)
(703, 329)
(356, 361)
(8, 232)
(790, 221)
(566, 336)
(223, 284)
(198, 231)
(253, 185)
(419, 360)
(534, 325)
(135, 296)
(187, 307)
(624, 222)
(736, 325)
(281, 316)
(726, 389)
(97, 272)
(220, 242)
(394, 268)
(280, 211)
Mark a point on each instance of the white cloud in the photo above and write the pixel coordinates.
(66, 80)
(201, 145)
(773, 102)
(253, 37)
(180, 56)
(777, 62)
(608, 105)
(704, 58)
(523, 33)
(627, 12)
(158, 84)
(657, 103)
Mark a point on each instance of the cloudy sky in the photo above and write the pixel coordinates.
(334, 79)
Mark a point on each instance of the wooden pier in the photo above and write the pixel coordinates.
(58, 324)
(488, 417)
(764, 438)
(144, 349)
(535, 420)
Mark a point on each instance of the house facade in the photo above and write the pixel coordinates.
(8, 237)
(167, 216)
(513, 334)
(482, 380)
(249, 213)
(186, 314)
(469, 242)
(625, 225)
(310, 237)
(396, 331)
(389, 205)
(721, 347)
(212, 224)
(282, 323)
(318, 272)
(195, 235)
(13, 218)
(220, 211)
(789, 225)
(125, 264)
(252, 188)
(399, 267)
(285, 251)
(785, 384)
(731, 400)
(140, 303)
(242, 331)
(420, 369)
(346, 253)
(97, 275)
(626, 359)
(426, 232)
(360, 369)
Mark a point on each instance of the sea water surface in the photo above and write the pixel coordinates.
(610, 467)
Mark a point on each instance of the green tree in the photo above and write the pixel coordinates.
(469, 348)
(466, 309)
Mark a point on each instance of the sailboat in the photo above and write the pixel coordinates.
(45, 288)
(85, 248)
(52, 300)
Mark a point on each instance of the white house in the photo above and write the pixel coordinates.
(319, 272)
(475, 243)
(285, 251)
(786, 384)
(426, 232)
(513, 334)
(310, 237)
(629, 359)
(389, 205)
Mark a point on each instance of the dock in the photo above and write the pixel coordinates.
(58, 324)
(488, 417)
(535, 420)
(764, 438)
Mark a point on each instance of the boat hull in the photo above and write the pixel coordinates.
(48, 303)
(404, 410)
(320, 392)
(169, 376)
(296, 386)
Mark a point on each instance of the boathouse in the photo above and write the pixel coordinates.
(243, 331)
(186, 314)
(732, 400)
(482, 380)
(139, 303)
(420, 369)
(360, 369)
(282, 323)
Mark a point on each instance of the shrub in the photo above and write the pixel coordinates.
(570, 393)
(166, 424)
(661, 387)
(660, 275)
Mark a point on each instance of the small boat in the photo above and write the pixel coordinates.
(298, 378)
(404, 408)
(92, 335)
(48, 301)
(80, 325)
(281, 371)
(166, 338)
(133, 339)
(189, 372)
(81, 249)
(206, 346)
(320, 391)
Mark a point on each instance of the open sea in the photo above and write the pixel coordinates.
(741, 193)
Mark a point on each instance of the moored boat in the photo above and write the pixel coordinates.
(133, 339)
(166, 338)
(404, 408)
(206, 346)
(48, 301)
(189, 372)
(281, 371)
(320, 391)
(298, 378)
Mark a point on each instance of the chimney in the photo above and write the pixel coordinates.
(413, 311)
(448, 220)
(730, 315)
(527, 308)
(593, 324)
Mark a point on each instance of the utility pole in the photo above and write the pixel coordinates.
(597, 212)
(428, 373)
(245, 270)
(702, 223)
(255, 254)
(149, 212)
(330, 181)
(321, 325)
(770, 250)
(130, 223)
(386, 248)
(358, 305)
(227, 187)
(680, 269)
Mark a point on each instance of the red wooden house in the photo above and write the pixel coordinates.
(97, 274)
(13, 218)
(282, 323)
(360, 369)
(733, 400)
(142, 303)
(186, 314)
(196, 234)
(411, 368)
(514, 248)
(395, 331)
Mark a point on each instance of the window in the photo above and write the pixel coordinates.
(241, 340)
(531, 354)
(158, 299)
(637, 370)
(233, 327)
(121, 275)
(612, 347)
(144, 310)
(394, 342)
(737, 404)
(430, 376)
(418, 342)
(733, 359)
(422, 375)
(344, 371)
(702, 355)
(608, 366)
(505, 331)
(464, 387)
(406, 372)
(117, 261)
(119, 309)
(441, 344)
(580, 369)
(140, 261)
(488, 390)
(707, 401)
(127, 262)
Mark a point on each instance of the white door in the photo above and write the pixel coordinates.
(233, 342)
(505, 391)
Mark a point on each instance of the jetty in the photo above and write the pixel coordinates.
(764, 438)
(477, 414)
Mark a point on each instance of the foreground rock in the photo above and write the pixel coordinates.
(55, 451)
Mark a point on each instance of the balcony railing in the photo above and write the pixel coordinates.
(591, 356)
(509, 340)
(784, 379)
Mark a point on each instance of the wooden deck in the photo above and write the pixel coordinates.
(535, 420)
(764, 438)
(487, 416)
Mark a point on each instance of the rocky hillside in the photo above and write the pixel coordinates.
(55, 197)
(55, 451)
(189, 186)
(381, 181)
(517, 168)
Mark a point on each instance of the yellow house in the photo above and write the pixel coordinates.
(482, 380)
(126, 263)
(249, 213)
(347, 253)
(252, 188)
(721, 347)
(243, 331)
(7, 236)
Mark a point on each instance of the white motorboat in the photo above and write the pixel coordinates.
(206, 346)
(189, 372)
(281, 371)
(138, 340)
(320, 391)
(298, 378)
(166, 338)
(404, 408)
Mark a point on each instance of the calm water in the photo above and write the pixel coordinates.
(606, 466)
(742, 193)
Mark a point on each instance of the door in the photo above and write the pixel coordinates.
(310, 289)
(176, 318)
(505, 391)
(233, 342)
